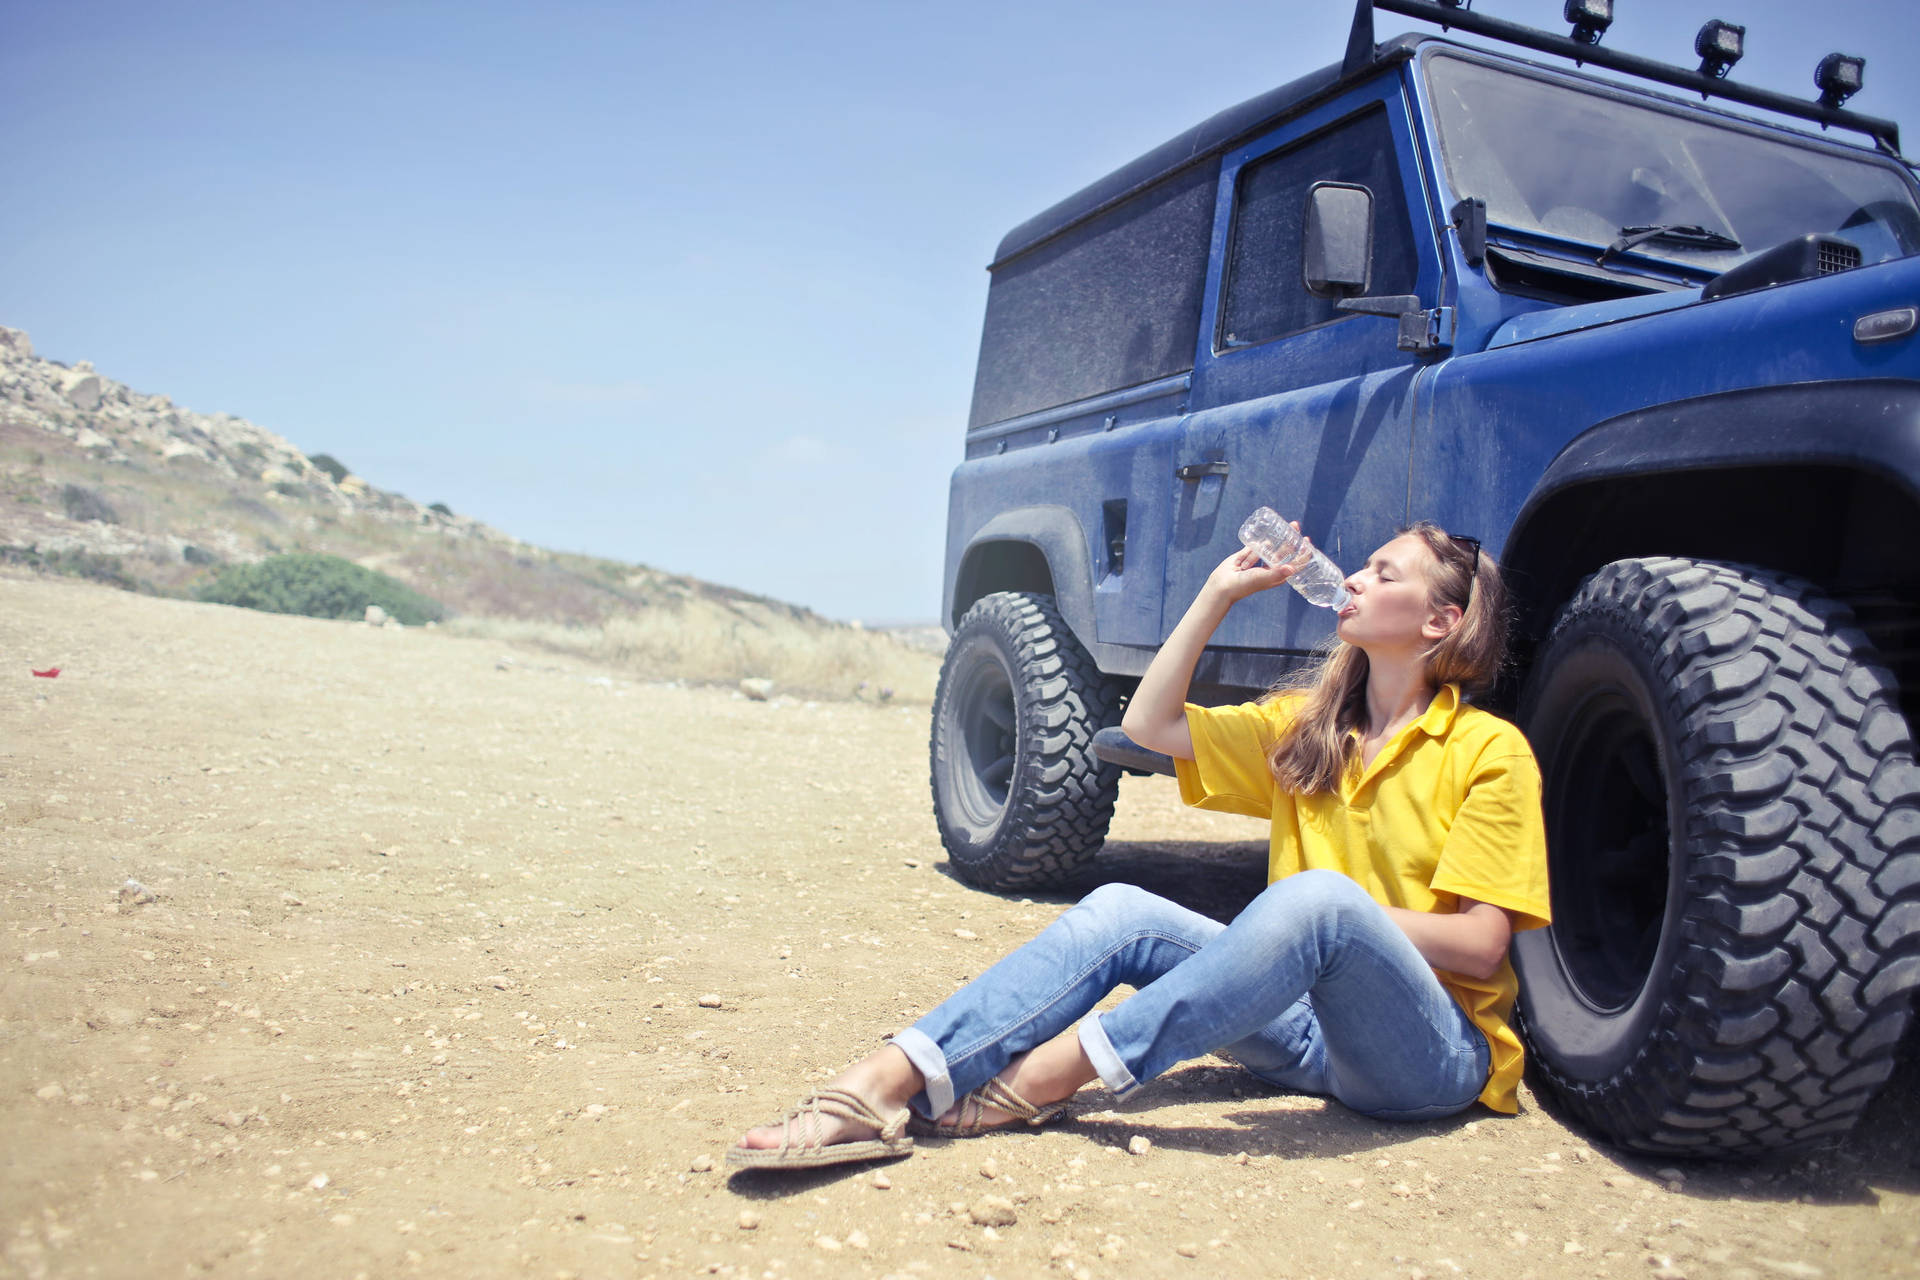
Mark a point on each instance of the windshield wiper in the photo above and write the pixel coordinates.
(1687, 235)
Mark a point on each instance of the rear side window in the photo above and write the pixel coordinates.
(1110, 303)
(1265, 297)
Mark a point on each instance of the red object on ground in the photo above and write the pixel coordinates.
(49, 673)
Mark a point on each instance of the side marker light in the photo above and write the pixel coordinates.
(1885, 326)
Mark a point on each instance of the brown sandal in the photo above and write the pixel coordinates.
(999, 1096)
(803, 1128)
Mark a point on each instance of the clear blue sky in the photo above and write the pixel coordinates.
(696, 285)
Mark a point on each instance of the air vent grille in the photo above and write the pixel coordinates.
(1838, 255)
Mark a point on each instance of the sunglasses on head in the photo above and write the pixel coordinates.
(1462, 540)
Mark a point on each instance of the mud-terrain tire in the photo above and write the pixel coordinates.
(1020, 798)
(1733, 820)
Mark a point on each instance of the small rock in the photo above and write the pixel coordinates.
(709, 1002)
(319, 1182)
(48, 1092)
(993, 1211)
(989, 1168)
(757, 688)
(376, 616)
(749, 1220)
(1670, 1174)
(702, 1164)
(1187, 1250)
(827, 1243)
(500, 982)
(881, 1182)
(965, 934)
(136, 893)
(857, 1239)
(1139, 1145)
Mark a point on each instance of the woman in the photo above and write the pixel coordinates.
(1406, 847)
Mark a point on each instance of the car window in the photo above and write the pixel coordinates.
(1266, 296)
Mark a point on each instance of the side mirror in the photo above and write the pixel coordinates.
(1337, 258)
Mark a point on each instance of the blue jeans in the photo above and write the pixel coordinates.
(1312, 988)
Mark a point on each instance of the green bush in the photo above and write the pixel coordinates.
(335, 469)
(84, 504)
(318, 586)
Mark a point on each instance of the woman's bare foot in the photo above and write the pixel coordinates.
(884, 1080)
(1051, 1073)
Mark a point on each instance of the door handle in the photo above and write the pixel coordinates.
(1200, 470)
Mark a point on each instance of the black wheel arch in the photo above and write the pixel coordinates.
(1817, 480)
(1037, 549)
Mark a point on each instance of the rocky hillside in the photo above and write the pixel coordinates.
(98, 480)
(109, 482)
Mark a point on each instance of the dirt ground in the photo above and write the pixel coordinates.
(434, 964)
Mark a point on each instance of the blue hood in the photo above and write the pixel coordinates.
(1556, 320)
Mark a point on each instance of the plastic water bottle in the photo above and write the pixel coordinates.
(1277, 542)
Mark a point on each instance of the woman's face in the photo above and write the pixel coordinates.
(1392, 608)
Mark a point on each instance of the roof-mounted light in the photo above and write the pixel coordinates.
(1838, 78)
(1719, 45)
(1590, 19)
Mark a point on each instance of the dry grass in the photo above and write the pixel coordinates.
(718, 641)
(625, 616)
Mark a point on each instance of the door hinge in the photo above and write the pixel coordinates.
(1421, 331)
(1427, 331)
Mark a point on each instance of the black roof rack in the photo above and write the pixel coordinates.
(1215, 135)
(1360, 52)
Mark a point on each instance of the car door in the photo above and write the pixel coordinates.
(1297, 405)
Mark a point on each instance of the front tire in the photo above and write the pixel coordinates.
(1733, 817)
(1020, 798)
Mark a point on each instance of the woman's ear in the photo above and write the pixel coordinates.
(1441, 622)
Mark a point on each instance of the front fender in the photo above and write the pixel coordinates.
(1871, 425)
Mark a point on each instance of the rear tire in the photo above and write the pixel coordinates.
(1020, 798)
(1733, 817)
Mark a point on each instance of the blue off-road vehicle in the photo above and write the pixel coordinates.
(1661, 358)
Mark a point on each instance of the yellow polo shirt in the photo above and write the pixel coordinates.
(1449, 809)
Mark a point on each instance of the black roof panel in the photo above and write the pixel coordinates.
(1210, 137)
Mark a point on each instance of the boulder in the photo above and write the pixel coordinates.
(82, 390)
(376, 616)
(757, 688)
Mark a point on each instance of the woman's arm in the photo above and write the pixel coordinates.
(1156, 715)
(1472, 939)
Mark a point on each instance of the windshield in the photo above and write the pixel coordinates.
(1585, 167)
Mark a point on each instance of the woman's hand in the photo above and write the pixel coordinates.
(1156, 715)
(1244, 573)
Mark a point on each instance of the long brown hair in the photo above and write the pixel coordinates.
(1315, 750)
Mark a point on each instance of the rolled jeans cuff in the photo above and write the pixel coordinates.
(927, 1059)
(1100, 1052)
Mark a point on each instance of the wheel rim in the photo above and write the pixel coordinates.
(984, 720)
(1609, 839)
